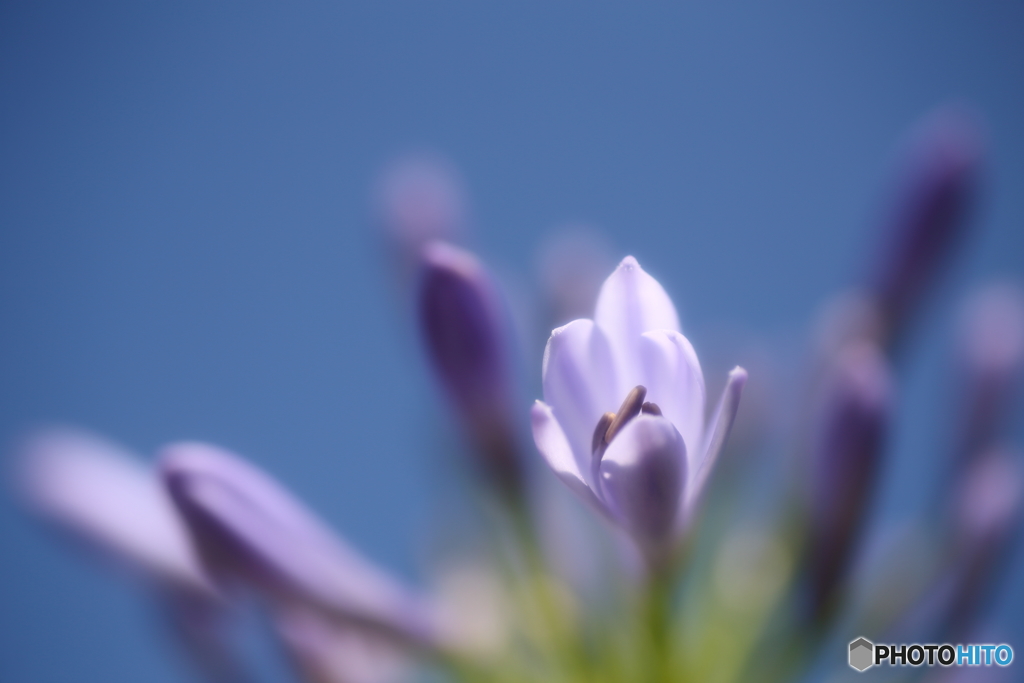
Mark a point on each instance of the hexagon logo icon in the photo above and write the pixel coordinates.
(862, 654)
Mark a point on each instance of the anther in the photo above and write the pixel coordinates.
(598, 443)
(650, 408)
(629, 409)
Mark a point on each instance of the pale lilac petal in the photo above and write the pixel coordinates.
(107, 497)
(717, 432)
(248, 527)
(554, 446)
(675, 382)
(643, 475)
(632, 302)
(579, 384)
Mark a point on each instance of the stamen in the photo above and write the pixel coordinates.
(598, 442)
(650, 408)
(629, 409)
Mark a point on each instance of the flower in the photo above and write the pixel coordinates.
(623, 417)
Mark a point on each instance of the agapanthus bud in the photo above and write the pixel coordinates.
(846, 445)
(466, 338)
(938, 177)
(991, 359)
(987, 507)
(419, 199)
(572, 263)
(248, 528)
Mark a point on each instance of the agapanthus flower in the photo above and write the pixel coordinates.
(623, 419)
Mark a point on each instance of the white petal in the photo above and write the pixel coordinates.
(717, 432)
(643, 475)
(553, 445)
(579, 384)
(632, 302)
(675, 382)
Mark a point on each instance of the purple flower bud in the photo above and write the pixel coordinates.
(247, 527)
(846, 447)
(938, 175)
(466, 339)
(991, 358)
(572, 265)
(419, 199)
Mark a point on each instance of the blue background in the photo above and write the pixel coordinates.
(186, 244)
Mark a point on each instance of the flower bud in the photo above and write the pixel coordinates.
(933, 195)
(419, 199)
(991, 358)
(466, 336)
(846, 446)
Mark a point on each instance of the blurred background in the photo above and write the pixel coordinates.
(189, 246)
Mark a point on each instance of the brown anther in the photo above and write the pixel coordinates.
(650, 408)
(629, 409)
(598, 443)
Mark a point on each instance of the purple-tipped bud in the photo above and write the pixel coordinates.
(247, 527)
(933, 195)
(846, 446)
(466, 338)
(987, 508)
(991, 359)
(103, 495)
(572, 265)
(420, 198)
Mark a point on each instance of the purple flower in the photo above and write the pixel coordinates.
(623, 417)
(466, 338)
(247, 527)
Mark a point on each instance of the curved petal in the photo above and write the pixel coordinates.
(632, 302)
(717, 432)
(579, 384)
(247, 526)
(643, 475)
(554, 446)
(675, 382)
(107, 497)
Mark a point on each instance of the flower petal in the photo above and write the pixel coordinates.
(717, 432)
(553, 445)
(643, 474)
(632, 302)
(246, 526)
(675, 382)
(107, 497)
(579, 384)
